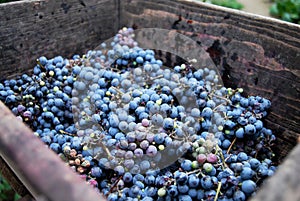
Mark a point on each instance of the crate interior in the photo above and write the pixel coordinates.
(261, 56)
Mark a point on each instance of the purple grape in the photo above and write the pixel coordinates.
(212, 158)
(138, 153)
(151, 151)
(144, 144)
(201, 158)
(21, 108)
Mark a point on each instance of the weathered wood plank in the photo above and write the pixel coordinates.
(29, 29)
(12, 179)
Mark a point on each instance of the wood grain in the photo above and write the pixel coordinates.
(30, 29)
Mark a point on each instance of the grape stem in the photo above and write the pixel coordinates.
(39, 63)
(115, 184)
(222, 157)
(66, 133)
(228, 150)
(118, 90)
(194, 171)
(215, 109)
(223, 98)
(218, 191)
(157, 77)
(105, 149)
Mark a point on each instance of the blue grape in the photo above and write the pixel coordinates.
(183, 188)
(248, 186)
(239, 196)
(96, 172)
(193, 181)
(242, 156)
(247, 173)
(127, 177)
(185, 198)
(186, 165)
(250, 129)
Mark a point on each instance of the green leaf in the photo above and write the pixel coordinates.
(17, 197)
(288, 10)
(228, 3)
(274, 10)
(286, 17)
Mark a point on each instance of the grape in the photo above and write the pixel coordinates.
(195, 112)
(247, 173)
(114, 120)
(123, 126)
(55, 147)
(138, 153)
(129, 163)
(145, 122)
(185, 198)
(239, 196)
(151, 151)
(239, 133)
(172, 191)
(161, 192)
(242, 156)
(96, 172)
(119, 169)
(254, 163)
(135, 169)
(126, 98)
(139, 184)
(201, 158)
(168, 123)
(151, 191)
(144, 144)
(132, 146)
(181, 178)
(248, 186)
(112, 197)
(209, 168)
(183, 188)
(21, 108)
(139, 60)
(250, 129)
(212, 158)
(150, 180)
(193, 181)
(157, 119)
(186, 165)
(206, 182)
(200, 194)
(258, 125)
(262, 170)
(127, 177)
(159, 138)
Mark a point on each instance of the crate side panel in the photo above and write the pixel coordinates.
(29, 29)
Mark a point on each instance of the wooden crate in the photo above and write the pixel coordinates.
(259, 54)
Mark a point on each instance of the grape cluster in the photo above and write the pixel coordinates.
(138, 130)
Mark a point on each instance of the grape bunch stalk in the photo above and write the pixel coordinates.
(136, 129)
